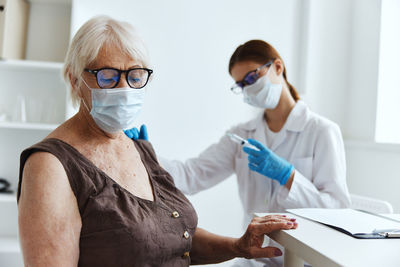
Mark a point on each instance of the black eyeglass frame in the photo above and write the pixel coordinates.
(96, 71)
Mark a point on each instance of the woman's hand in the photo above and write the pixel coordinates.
(250, 244)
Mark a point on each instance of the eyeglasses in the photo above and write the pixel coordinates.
(109, 78)
(250, 78)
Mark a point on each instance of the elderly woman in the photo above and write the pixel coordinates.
(83, 201)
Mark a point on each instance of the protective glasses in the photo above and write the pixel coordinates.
(250, 78)
(109, 78)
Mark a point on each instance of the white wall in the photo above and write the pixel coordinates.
(388, 108)
(372, 171)
(342, 63)
(371, 166)
(363, 70)
(327, 61)
(342, 84)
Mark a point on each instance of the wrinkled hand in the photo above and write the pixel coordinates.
(135, 134)
(267, 163)
(250, 244)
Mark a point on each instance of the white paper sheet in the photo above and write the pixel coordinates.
(353, 221)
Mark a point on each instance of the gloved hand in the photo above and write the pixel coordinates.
(135, 134)
(267, 163)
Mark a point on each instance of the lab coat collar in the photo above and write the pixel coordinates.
(295, 122)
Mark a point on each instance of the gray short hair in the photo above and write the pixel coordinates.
(90, 38)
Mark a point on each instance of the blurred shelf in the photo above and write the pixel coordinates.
(65, 2)
(28, 126)
(30, 65)
(8, 197)
(9, 244)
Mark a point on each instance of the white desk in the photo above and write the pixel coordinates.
(322, 246)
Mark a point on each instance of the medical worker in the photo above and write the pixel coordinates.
(298, 159)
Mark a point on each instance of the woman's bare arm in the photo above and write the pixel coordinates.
(210, 248)
(49, 219)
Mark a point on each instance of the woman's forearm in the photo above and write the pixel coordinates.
(211, 248)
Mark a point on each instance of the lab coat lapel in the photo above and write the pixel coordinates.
(259, 186)
(260, 134)
(295, 122)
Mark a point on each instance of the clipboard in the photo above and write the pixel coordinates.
(356, 223)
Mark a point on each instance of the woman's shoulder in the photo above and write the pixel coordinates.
(317, 122)
(41, 159)
(53, 148)
(43, 162)
(40, 171)
(302, 118)
(51, 161)
(322, 129)
(249, 125)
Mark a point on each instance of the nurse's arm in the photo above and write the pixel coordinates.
(49, 219)
(212, 166)
(210, 248)
(327, 187)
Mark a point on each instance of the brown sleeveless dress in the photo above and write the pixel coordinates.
(119, 228)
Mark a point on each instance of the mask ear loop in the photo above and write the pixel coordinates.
(269, 70)
(268, 74)
(82, 100)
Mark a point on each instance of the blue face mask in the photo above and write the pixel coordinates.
(116, 109)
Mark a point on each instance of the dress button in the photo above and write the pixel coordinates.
(186, 234)
(186, 254)
(175, 214)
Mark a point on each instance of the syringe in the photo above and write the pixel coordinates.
(237, 139)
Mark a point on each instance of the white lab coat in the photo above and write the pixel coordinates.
(314, 146)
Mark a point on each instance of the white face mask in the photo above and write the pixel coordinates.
(263, 93)
(116, 109)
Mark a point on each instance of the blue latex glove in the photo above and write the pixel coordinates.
(135, 134)
(267, 163)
